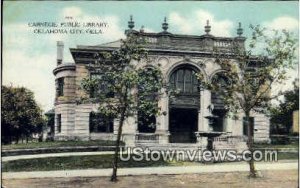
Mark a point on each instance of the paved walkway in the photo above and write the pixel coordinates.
(225, 167)
(46, 155)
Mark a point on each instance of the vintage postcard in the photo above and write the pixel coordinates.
(150, 93)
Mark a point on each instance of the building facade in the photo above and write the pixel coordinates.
(184, 118)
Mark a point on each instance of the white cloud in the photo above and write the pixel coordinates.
(112, 32)
(194, 23)
(72, 12)
(284, 22)
(33, 72)
(182, 23)
(28, 58)
(290, 24)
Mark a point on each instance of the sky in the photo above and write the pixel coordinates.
(29, 58)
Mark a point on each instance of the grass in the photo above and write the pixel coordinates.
(55, 144)
(287, 156)
(74, 162)
(273, 146)
(95, 162)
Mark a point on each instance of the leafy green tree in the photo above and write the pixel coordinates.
(250, 79)
(282, 114)
(21, 116)
(121, 88)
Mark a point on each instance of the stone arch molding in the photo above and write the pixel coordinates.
(218, 70)
(215, 73)
(163, 61)
(184, 62)
(211, 66)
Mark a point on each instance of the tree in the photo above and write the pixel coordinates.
(282, 114)
(251, 77)
(21, 116)
(121, 88)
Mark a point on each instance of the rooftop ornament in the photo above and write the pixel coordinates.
(240, 30)
(207, 27)
(142, 29)
(165, 25)
(131, 23)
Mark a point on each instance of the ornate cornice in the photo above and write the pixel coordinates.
(64, 66)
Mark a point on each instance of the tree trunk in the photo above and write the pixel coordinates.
(253, 172)
(17, 139)
(116, 155)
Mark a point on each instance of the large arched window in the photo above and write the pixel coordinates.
(220, 82)
(184, 80)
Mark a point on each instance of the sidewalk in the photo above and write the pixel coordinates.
(208, 168)
(46, 155)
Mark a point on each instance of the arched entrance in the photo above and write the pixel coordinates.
(184, 104)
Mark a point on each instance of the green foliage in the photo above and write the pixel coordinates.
(252, 76)
(21, 116)
(122, 87)
(282, 114)
(264, 63)
(132, 88)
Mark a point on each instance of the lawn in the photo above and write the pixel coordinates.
(95, 162)
(276, 146)
(287, 156)
(278, 178)
(74, 162)
(55, 144)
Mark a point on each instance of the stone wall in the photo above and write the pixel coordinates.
(261, 128)
(67, 112)
(75, 116)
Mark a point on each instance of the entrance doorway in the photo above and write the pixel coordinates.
(218, 124)
(183, 125)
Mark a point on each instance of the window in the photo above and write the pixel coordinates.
(60, 87)
(147, 92)
(245, 127)
(100, 88)
(58, 122)
(146, 123)
(100, 123)
(217, 96)
(185, 81)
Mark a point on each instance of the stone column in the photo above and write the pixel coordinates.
(205, 101)
(130, 130)
(228, 124)
(130, 126)
(162, 126)
(203, 126)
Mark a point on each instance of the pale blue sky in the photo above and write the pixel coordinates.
(28, 59)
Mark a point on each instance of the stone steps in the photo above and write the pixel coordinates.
(170, 146)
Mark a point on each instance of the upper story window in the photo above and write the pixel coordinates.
(185, 81)
(60, 87)
(101, 87)
(220, 82)
(58, 122)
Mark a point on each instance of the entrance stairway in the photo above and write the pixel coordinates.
(237, 143)
(223, 142)
(169, 146)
